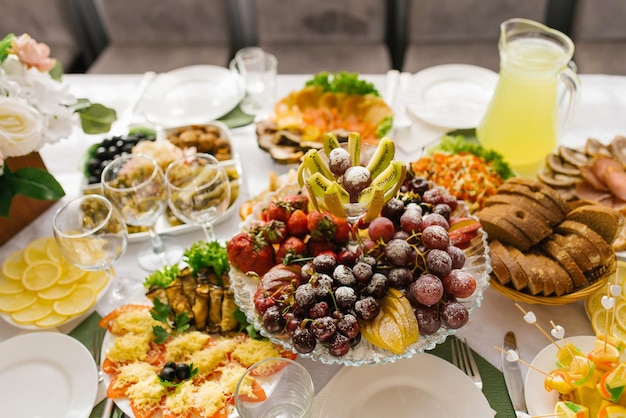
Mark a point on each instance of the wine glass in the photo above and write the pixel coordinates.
(135, 184)
(91, 234)
(198, 189)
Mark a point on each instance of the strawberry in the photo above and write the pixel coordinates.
(273, 231)
(321, 226)
(292, 247)
(298, 201)
(343, 231)
(317, 247)
(278, 210)
(297, 224)
(250, 252)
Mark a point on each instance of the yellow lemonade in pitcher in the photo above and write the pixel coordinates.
(522, 120)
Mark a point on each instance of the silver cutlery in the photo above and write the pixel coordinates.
(463, 358)
(513, 375)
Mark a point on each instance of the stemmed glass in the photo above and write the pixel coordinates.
(135, 184)
(199, 190)
(91, 234)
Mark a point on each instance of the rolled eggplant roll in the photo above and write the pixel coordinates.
(201, 305)
(229, 323)
(216, 294)
(189, 284)
(177, 299)
(157, 292)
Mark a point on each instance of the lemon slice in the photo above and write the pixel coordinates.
(70, 273)
(620, 314)
(58, 291)
(77, 302)
(19, 301)
(41, 275)
(9, 286)
(33, 313)
(37, 250)
(97, 280)
(14, 265)
(54, 254)
(594, 302)
(52, 320)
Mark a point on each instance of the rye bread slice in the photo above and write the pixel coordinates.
(538, 186)
(534, 273)
(582, 230)
(499, 228)
(552, 218)
(531, 226)
(606, 221)
(562, 281)
(577, 248)
(498, 267)
(561, 256)
(518, 277)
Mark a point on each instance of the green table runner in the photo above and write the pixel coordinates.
(236, 118)
(494, 387)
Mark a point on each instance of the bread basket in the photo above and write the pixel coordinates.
(554, 300)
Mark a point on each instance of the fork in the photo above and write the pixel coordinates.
(463, 359)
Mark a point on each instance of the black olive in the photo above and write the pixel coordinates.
(101, 153)
(170, 364)
(107, 142)
(128, 147)
(182, 371)
(168, 374)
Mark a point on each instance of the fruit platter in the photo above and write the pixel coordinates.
(313, 282)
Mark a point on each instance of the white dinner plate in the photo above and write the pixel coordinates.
(46, 374)
(452, 96)
(538, 400)
(190, 95)
(424, 386)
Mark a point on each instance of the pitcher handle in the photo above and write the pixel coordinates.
(569, 77)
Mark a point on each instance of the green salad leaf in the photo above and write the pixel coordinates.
(203, 254)
(455, 144)
(163, 277)
(342, 82)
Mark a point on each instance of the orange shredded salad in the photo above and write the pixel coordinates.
(328, 119)
(464, 175)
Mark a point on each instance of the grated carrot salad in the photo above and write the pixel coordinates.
(464, 175)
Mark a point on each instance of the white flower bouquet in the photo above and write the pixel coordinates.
(36, 108)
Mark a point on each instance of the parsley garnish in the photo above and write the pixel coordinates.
(162, 312)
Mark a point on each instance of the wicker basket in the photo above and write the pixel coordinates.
(553, 300)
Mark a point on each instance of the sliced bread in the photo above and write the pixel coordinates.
(498, 267)
(544, 200)
(606, 221)
(562, 257)
(563, 283)
(577, 249)
(582, 230)
(552, 218)
(518, 277)
(534, 273)
(538, 186)
(499, 228)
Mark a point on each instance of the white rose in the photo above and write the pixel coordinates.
(20, 127)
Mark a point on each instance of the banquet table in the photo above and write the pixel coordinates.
(600, 114)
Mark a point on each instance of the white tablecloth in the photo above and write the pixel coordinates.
(600, 115)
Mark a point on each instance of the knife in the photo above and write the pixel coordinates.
(513, 375)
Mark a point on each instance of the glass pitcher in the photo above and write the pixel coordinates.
(523, 119)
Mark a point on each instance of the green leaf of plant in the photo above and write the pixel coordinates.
(160, 311)
(160, 334)
(57, 72)
(6, 194)
(96, 118)
(181, 323)
(37, 184)
(5, 43)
